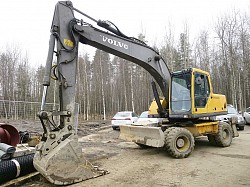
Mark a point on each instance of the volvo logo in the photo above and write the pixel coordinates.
(114, 42)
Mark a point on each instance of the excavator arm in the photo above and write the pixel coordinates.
(131, 50)
(59, 157)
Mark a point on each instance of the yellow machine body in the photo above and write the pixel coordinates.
(203, 104)
(191, 96)
(191, 108)
(153, 108)
(216, 103)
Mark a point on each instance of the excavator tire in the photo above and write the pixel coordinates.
(224, 136)
(179, 142)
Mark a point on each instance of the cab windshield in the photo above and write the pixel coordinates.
(180, 93)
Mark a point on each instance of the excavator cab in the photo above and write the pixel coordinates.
(191, 95)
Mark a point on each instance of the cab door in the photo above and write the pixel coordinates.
(201, 92)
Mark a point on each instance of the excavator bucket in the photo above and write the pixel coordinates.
(65, 164)
(146, 135)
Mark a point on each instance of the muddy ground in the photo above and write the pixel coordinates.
(130, 165)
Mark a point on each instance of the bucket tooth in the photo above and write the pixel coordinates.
(65, 164)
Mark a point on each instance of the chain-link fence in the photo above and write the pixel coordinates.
(22, 110)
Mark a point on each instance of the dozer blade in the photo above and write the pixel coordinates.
(65, 164)
(146, 135)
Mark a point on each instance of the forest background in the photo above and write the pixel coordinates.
(107, 84)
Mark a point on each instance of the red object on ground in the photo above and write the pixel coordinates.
(9, 134)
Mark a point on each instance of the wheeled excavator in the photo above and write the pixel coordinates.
(188, 103)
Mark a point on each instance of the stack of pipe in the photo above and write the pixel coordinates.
(19, 166)
(6, 151)
(11, 168)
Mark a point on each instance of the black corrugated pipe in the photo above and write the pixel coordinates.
(19, 166)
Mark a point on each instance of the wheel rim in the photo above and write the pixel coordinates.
(182, 143)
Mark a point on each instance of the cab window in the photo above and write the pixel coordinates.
(180, 95)
(201, 90)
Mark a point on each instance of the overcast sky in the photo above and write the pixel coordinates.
(26, 23)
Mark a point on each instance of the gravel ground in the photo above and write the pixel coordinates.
(130, 165)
